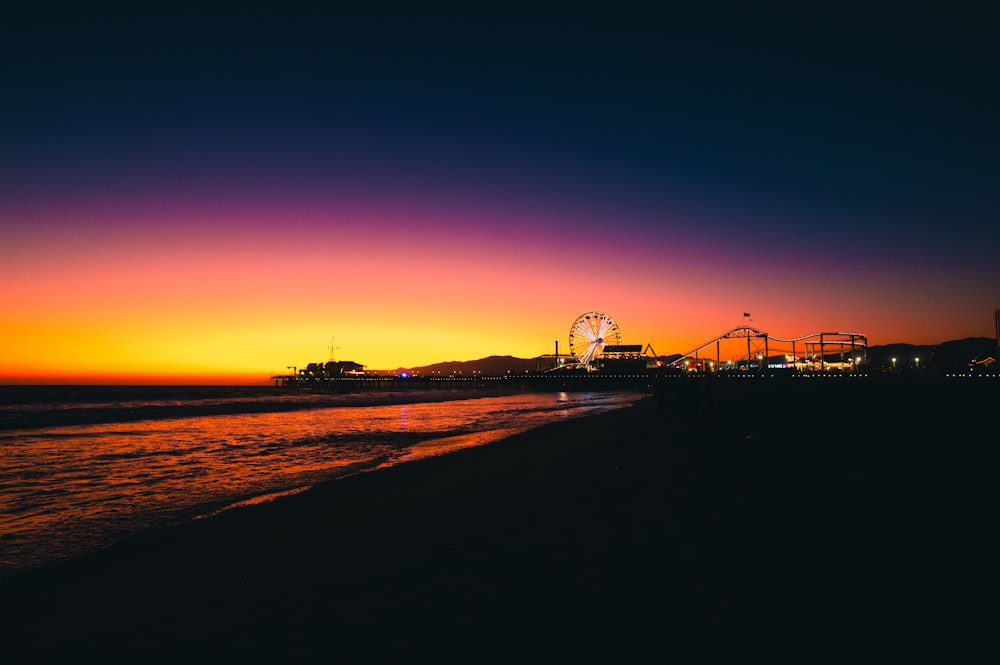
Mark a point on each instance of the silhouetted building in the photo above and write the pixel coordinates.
(331, 369)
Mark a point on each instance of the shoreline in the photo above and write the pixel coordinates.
(688, 526)
(16, 415)
(31, 418)
(129, 478)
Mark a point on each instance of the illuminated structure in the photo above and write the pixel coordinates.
(588, 336)
(822, 351)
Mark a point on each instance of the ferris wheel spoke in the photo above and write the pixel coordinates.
(607, 325)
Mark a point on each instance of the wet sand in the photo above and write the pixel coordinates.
(758, 521)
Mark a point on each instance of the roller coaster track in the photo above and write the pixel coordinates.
(840, 339)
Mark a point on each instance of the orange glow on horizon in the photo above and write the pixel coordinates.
(94, 379)
(134, 309)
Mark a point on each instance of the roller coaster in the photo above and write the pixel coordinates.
(819, 351)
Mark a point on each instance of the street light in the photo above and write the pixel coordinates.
(917, 362)
(894, 363)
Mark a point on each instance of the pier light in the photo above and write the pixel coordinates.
(894, 363)
(916, 361)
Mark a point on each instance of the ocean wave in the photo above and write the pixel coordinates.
(72, 489)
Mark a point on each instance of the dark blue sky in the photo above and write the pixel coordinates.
(875, 115)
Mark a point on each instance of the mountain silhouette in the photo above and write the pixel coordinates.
(952, 355)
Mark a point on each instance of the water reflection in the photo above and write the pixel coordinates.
(67, 490)
(450, 444)
(404, 423)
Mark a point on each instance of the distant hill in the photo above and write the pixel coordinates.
(493, 365)
(955, 354)
(947, 356)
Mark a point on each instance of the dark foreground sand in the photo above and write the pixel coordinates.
(750, 522)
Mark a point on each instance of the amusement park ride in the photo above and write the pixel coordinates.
(595, 339)
(823, 351)
(596, 351)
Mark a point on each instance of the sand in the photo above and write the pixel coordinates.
(787, 521)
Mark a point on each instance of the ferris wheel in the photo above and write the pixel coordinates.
(590, 333)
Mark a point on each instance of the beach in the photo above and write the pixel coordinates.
(754, 521)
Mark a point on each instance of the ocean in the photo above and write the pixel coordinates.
(83, 466)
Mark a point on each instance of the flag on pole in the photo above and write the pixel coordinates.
(745, 315)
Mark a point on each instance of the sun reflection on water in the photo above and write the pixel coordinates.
(67, 490)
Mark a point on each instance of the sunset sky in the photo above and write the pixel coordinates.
(207, 195)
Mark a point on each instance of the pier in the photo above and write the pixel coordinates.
(544, 381)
